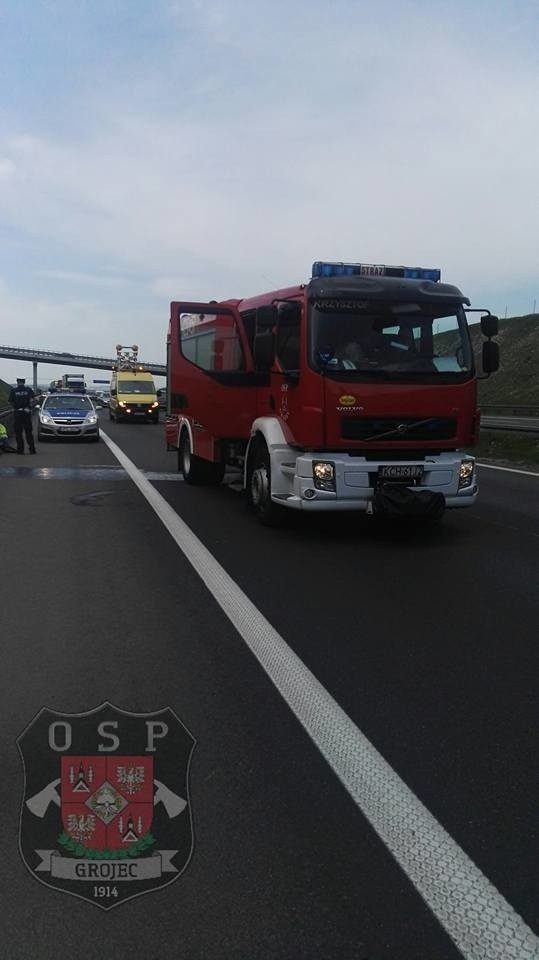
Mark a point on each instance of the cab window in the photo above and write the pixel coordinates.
(287, 339)
(211, 341)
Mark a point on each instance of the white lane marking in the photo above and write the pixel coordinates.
(490, 466)
(476, 916)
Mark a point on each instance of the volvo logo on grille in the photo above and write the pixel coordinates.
(402, 428)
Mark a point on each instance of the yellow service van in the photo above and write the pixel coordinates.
(133, 396)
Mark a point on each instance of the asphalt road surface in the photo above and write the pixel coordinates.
(363, 700)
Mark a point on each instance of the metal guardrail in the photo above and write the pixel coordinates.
(521, 424)
(510, 409)
(511, 424)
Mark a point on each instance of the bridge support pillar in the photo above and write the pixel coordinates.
(34, 369)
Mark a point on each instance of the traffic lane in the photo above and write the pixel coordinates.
(284, 864)
(465, 684)
(508, 500)
(516, 496)
(414, 637)
(144, 443)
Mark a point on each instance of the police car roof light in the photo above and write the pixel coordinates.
(322, 268)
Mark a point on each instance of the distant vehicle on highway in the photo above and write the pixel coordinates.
(162, 398)
(132, 396)
(67, 415)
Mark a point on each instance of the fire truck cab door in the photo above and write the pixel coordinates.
(296, 393)
(213, 383)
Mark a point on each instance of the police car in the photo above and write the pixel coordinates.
(67, 415)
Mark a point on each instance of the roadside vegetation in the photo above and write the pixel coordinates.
(508, 449)
(4, 394)
(516, 381)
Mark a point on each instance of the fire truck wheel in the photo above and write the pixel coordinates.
(196, 471)
(259, 486)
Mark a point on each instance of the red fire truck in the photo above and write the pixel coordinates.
(354, 391)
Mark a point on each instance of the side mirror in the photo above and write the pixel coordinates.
(266, 317)
(491, 356)
(264, 350)
(489, 325)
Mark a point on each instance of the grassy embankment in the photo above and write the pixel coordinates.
(508, 449)
(517, 381)
(4, 394)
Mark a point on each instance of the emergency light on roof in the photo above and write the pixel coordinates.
(323, 269)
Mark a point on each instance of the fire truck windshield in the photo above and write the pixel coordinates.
(355, 339)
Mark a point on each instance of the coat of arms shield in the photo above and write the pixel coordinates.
(106, 814)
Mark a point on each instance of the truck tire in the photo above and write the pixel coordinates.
(259, 487)
(195, 471)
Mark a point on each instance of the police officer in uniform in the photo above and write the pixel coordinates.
(22, 398)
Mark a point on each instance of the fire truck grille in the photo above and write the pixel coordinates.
(406, 428)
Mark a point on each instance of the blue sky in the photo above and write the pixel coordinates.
(155, 151)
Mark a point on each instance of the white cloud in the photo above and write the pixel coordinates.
(278, 137)
(93, 280)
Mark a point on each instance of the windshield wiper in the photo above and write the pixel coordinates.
(401, 430)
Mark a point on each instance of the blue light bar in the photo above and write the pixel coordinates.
(422, 273)
(323, 269)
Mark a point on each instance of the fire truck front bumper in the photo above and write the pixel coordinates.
(326, 482)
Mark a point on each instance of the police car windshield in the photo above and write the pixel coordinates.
(136, 386)
(64, 401)
(367, 339)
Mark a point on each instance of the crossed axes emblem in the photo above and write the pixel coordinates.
(40, 802)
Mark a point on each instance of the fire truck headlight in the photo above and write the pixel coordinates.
(324, 475)
(466, 472)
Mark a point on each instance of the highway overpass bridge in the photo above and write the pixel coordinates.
(59, 357)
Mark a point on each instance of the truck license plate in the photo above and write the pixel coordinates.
(401, 471)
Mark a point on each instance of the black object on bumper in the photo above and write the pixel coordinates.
(397, 500)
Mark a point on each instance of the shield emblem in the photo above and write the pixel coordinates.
(106, 814)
